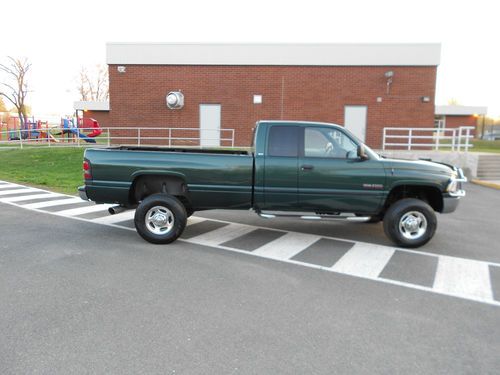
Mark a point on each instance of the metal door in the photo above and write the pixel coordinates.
(210, 117)
(355, 120)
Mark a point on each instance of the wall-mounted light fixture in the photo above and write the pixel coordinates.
(257, 99)
(425, 99)
(175, 100)
(121, 69)
(388, 75)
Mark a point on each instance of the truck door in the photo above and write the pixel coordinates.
(331, 176)
(281, 167)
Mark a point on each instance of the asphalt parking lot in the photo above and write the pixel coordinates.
(82, 293)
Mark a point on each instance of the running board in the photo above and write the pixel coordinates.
(312, 216)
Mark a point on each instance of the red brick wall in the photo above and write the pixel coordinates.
(137, 97)
(457, 121)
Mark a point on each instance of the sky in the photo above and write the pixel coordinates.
(59, 37)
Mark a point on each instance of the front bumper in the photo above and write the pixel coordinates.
(83, 193)
(450, 201)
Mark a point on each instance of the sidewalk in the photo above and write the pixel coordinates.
(495, 184)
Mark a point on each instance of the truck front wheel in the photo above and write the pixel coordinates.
(410, 222)
(160, 218)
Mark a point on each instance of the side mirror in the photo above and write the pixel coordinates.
(361, 152)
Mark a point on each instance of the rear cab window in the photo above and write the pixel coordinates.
(283, 141)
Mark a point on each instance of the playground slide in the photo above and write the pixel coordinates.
(81, 135)
(50, 136)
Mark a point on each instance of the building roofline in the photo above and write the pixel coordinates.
(91, 106)
(460, 110)
(311, 54)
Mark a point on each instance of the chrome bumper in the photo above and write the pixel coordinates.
(451, 199)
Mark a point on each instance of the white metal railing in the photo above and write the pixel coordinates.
(128, 136)
(454, 139)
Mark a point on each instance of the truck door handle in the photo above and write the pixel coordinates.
(307, 167)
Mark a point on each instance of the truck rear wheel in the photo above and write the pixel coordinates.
(160, 218)
(410, 222)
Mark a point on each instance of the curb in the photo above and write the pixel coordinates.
(489, 184)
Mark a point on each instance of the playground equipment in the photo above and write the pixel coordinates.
(68, 127)
(38, 131)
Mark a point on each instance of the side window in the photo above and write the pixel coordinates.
(283, 141)
(328, 143)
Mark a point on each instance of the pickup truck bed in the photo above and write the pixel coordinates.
(220, 178)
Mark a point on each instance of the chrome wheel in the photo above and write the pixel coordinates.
(159, 220)
(413, 225)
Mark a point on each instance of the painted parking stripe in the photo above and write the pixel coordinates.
(116, 218)
(29, 197)
(17, 191)
(221, 235)
(39, 205)
(83, 210)
(364, 260)
(464, 278)
(287, 246)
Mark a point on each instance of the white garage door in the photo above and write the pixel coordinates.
(355, 120)
(210, 125)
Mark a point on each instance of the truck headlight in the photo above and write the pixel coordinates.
(452, 186)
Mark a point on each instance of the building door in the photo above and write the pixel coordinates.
(355, 120)
(210, 125)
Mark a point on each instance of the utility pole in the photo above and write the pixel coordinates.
(482, 128)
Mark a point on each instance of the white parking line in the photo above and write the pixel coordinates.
(83, 210)
(38, 205)
(17, 191)
(364, 260)
(116, 218)
(29, 197)
(286, 246)
(464, 278)
(221, 235)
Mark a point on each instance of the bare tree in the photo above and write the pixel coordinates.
(93, 85)
(15, 86)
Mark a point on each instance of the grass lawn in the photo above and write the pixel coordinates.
(57, 169)
(486, 146)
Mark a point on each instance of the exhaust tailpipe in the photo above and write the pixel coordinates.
(116, 210)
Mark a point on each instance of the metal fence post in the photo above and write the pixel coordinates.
(467, 135)
(453, 139)
(383, 139)
(109, 131)
(169, 137)
(410, 135)
(21, 138)
(138, 136)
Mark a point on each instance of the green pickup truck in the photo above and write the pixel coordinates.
(308, 170)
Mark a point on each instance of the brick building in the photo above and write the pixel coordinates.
(97, 110)
(364, 87)
(454, 116)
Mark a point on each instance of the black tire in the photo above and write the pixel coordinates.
(161, 229)
(411, 211)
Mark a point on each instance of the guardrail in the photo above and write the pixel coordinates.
(454, 139)
(127, 136)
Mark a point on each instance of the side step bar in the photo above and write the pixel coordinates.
(313, 216)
